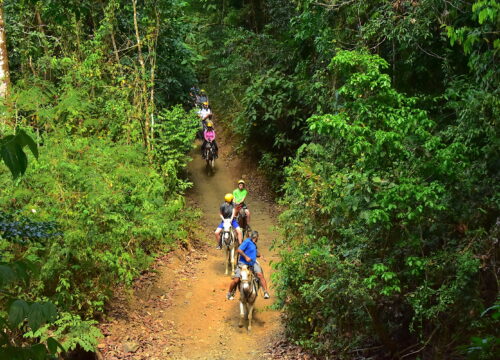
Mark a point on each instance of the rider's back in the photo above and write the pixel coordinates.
(226, 210)
(239, 195)
(209, 135)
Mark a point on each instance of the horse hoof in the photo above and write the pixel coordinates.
(240, 324)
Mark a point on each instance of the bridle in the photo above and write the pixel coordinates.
(230, 237)
(248, 277)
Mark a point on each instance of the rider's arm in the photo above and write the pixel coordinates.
(234, 194)
(220, 213)
(242, 253)
(259, 255)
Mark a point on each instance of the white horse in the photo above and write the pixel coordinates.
(248, 294)
(229, 244)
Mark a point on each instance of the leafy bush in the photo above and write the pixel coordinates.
(174, 133)
(390, 224)
(114, 213)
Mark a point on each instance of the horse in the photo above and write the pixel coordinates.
(209, 155)
(248, 294)
(242, 220)
(229, 244)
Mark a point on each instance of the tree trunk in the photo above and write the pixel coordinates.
(4, 58)
(152, 50)
(143, 77)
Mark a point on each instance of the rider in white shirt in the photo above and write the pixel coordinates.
(205, 113)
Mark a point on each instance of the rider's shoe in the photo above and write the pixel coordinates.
(218, 247)
(230, 296)
(266, 295)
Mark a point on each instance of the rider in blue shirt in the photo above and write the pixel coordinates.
(248, 256)
(248, 248)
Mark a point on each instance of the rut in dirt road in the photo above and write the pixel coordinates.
(184, 314)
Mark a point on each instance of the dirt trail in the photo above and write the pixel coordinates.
(182, 313)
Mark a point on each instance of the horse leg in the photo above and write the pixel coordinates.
(231, 257)
(250, 313)
(242, 314)
(226, 249)
(235, 255)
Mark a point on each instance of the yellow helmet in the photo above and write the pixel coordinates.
(205, 103)
(228, 197)
(241, 181)
(210, 124)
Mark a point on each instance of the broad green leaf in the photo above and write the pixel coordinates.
(38, 352)
(18, 311)
(53, 345)
(9, 155)
(49, 311)
(26, 140)
(7, 275)
(36, 316)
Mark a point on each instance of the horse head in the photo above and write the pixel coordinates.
(246, 274)
(227, 232)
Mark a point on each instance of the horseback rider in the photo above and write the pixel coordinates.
(205, 113)
(248, 256)
(203, 98)
(209, 137)
(227, 211)
(193, 94)
(240, 194)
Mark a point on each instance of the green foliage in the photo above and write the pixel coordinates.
(486, 346)
(111, 207)
(175, 130)
(272, 116)
(15, 275)
(85, 76)
(375, 194)
(480, 40)
(72, 331)
(116, 213)
(390, 134)
(11, 150)
(89, 80)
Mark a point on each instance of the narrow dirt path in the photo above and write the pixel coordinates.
(182, 312)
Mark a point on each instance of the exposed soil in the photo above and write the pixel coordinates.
(180, 311)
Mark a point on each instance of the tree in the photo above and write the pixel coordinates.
(4, 59)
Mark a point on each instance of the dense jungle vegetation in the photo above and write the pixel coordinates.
(96, 92)
(376, 121)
